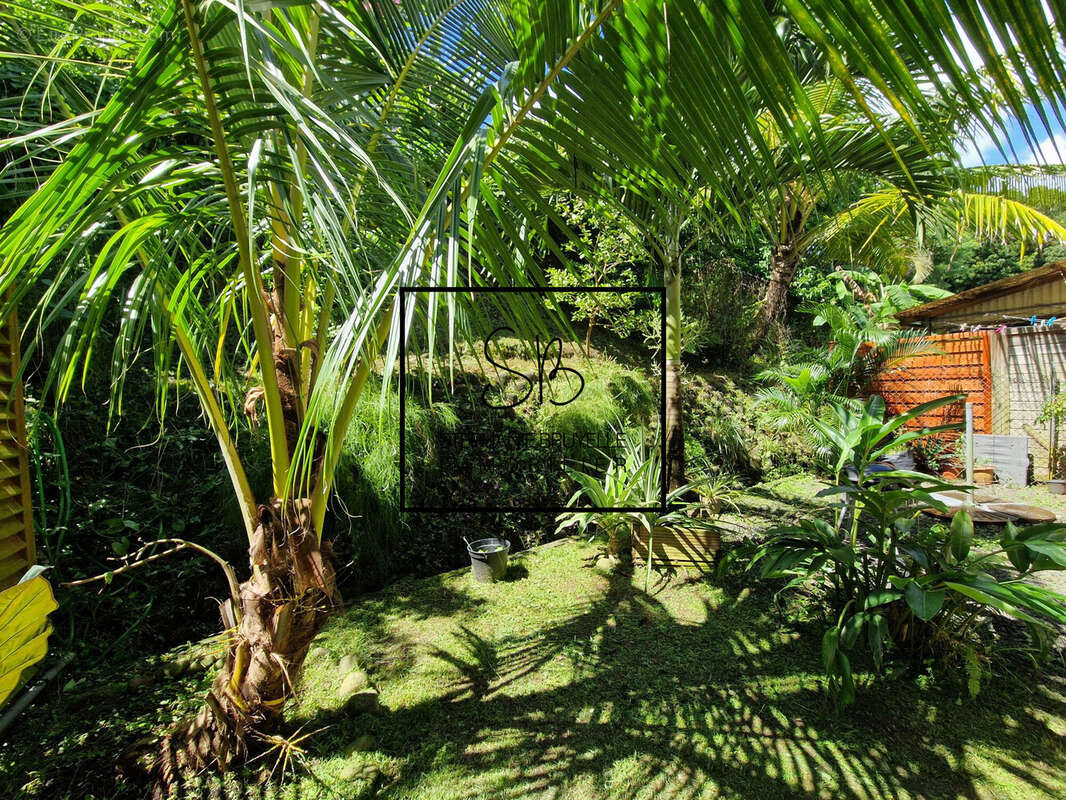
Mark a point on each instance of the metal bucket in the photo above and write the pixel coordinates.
(488, 559)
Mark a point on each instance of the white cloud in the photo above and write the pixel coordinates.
(977, 149)
(1050, 150)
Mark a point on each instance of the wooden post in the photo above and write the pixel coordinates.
(968, 444)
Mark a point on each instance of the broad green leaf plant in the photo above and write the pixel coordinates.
(887, 582)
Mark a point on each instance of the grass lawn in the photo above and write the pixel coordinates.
(568, 682)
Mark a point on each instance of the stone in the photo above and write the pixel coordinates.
(348, 663)
(353, 682)
(364, 702)
(357, 772)
(362, 744)
(318, 653)
(350, 772)
(605, 564)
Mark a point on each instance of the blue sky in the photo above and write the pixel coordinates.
(983, 150)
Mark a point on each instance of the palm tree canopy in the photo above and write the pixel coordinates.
(348, 148)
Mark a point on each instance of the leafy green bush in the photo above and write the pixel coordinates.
(719, 306)
(632, 480)
(886, 583)
(138, 481)
(726, 431)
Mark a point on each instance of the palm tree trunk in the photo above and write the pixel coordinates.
(291, 593)
(675, 434)
(783, 263)
(283, 606)
(784, 260)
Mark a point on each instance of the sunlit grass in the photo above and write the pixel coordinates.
(569, 682)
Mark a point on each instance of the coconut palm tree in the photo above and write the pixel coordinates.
(266, 175)
(248, 201)
(906, 188)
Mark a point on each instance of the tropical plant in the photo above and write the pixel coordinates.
(265, 175)
(861, 344)
(251, 196)
(24, 628)
(680, 119)
(885, 582)
(630, 493)
(716, 492)
(906, 188)
(934, 453)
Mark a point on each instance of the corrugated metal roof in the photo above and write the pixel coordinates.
(1040, 292)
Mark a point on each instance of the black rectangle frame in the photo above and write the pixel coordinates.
(405, 290)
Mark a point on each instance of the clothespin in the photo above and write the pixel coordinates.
(1001, 328)
(1050, 322)
(1032, 320)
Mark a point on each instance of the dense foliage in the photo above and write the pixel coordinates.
(887, 584)
(224, 199)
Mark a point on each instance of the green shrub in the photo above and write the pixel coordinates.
(138, 481)
(726, 431)
(884, 582)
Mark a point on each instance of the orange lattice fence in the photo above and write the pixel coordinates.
(959, 364)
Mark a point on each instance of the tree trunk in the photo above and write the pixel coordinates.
(674, 433)
(783, 263)
(283, 606)
(784, 259)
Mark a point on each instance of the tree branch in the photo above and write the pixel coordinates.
(182, 544)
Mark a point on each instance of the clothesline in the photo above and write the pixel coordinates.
(1022, 322)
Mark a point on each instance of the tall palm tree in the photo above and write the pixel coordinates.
(251, 196)
(903, 183)
(267, 175)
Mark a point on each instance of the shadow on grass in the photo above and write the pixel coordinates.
(516, 572)
(623, 697)
(622, 701)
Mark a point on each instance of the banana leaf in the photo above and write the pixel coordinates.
(24, 629)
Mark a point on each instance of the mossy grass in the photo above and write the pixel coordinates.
(565, 681)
